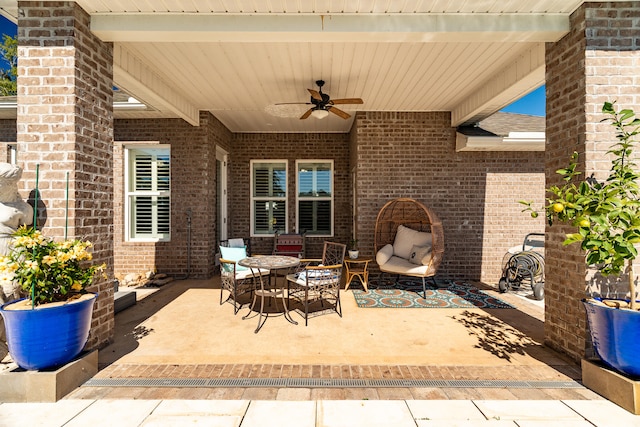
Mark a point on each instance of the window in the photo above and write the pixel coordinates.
(148, 193)
(12, 153)
(268, 196)
(315, 197)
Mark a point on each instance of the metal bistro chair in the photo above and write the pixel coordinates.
(317, 287)
(235, 279)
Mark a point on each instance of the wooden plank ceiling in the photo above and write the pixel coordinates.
(238, 58)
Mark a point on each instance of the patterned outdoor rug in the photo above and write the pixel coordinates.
(407, 293)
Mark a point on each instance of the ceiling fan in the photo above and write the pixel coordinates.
(323, 104)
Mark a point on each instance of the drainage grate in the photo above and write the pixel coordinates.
(108, 382)
(229, 382)
(555, 384)
(430, 383)
(392, 383)
(326, 382)
(323, 383)
(490, 384)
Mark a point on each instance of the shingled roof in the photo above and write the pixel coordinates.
(502, 123)
(503, 132)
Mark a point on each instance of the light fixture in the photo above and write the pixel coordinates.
(319, 113)
(130, 104)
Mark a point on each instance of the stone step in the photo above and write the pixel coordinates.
(123, 299)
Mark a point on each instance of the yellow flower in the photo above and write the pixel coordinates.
(48, 259)
(62, 257)
(19, 241)
(31, 265)
(53, 266)
(5, 279)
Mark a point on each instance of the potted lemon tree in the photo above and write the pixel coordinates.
(606, 215)
(51, 326)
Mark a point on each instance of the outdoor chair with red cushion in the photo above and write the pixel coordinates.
(289, 245)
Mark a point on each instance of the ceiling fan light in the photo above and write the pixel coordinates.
(319, 113)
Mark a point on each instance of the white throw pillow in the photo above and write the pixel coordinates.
(407, 238)
(420, 255)
(384, 254)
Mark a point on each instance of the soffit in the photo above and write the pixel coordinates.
(330, 6)
(9, 7)
(237, 58)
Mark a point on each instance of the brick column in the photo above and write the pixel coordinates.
(598, 61)
(65, 124)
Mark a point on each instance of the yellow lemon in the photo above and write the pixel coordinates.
(584, 223)
(558, 207)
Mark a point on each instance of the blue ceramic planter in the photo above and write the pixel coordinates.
(47, 337)
(615, 335)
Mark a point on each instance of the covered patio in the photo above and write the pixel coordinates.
(209, 75)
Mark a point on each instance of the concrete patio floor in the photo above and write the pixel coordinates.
(181, 332)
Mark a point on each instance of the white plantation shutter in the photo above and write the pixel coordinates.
(149, 196)
(268, 196)
(315, 197)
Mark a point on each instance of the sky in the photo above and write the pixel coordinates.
(533, 103)
(9, 28)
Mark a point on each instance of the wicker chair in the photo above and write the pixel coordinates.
(414, 215)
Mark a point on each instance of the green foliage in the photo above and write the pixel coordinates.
(606, 214)
(8, 78)
(56, 270)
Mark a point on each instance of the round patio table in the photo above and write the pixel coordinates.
(273, 263)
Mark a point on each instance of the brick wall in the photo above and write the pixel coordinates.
(64, 124)
(599, 60)
(475, 194)
(193, 187)
(246, 147)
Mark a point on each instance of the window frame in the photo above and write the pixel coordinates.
(331, 199)
(253, 199)
(129, 194)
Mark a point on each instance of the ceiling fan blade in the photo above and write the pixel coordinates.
(339, 112)
(293, 103)
(306, 114)
(315, 94)
(347, 101)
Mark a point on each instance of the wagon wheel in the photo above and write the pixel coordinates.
(538, 291)
(503, 285)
